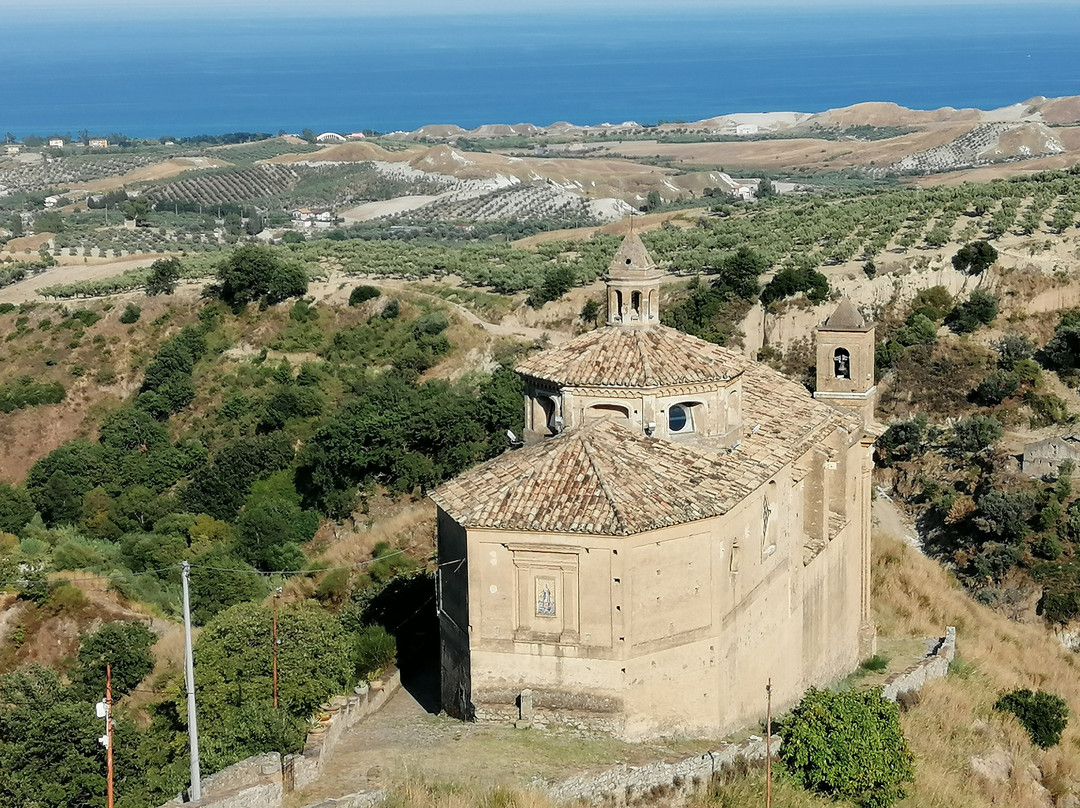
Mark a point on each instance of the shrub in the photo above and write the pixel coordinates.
(1042, 714)
(362, 293)
(792, 280)
(976, 433)
(131, 314)
(374, 649)
(903, 440)
(979, 309)
(848, 746)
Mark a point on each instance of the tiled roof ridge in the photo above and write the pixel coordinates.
(620, 517)
(646, 368)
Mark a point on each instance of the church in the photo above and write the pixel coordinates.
(681, 526)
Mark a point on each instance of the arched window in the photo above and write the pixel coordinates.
(550, 413)
(841, 364)
(635, 304)
(680, 418)
(607, 411)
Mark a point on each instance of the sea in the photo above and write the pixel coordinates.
(183, 75)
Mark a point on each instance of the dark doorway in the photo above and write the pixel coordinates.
(406, 608)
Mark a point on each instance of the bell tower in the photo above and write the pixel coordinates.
(845, 361)
(633, 285)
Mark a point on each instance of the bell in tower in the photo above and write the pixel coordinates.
(845, 361)
(633, 285)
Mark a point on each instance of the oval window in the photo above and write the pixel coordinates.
(678, 419)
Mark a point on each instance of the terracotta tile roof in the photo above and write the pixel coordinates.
(607, 479)
(634, 357)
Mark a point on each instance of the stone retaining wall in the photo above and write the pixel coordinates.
(935, 665)
(263, 780)
(342, 713)
(625, 784)
(252, 783)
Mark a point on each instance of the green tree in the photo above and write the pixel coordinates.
(163, 277)
(974, 434)
(49, 223)
(124, 646)
(848, 746)
(738, 274)
(975, 257)
(135, 209)
(362, 294)
(269, 535)
(233, 672)
(1042, 714)
(981, 308)
(220, 579)
(256, 273)
(130, 314)
(49, 752)
(590, 312)
(903, 440)
(16, 508)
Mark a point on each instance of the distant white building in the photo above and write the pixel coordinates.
(742, 192)
(306, 217)
(14, 149)
(99, 143)
(744, 129)
(52, 201)
(56, 143)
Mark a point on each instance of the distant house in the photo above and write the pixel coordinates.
(742, 192)
(330, 137)
(312, 218)
(356, 136)
(14, 149)
(56, 143)
(52, 201)
(1046, 456)
(99, 143)
(744, 129)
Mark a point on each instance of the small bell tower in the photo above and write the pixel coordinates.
(845, 361)
(633, 285)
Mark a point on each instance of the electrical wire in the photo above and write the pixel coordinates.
(249, 571)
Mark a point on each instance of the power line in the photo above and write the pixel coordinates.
(104, 576)
(249, 571)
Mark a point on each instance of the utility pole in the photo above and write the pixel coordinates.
(274, 644)
(768, 744)
(189, 670)
(104, 710)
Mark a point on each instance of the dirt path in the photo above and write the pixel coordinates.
(26, 290)
(336, 289)
(404, 742)
(888, 519)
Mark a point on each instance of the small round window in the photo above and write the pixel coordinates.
(679, 419)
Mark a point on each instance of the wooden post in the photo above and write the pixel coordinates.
(768, 744)
(109, 736)
(274, 643)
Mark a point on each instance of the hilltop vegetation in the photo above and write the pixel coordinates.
(262, 433)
